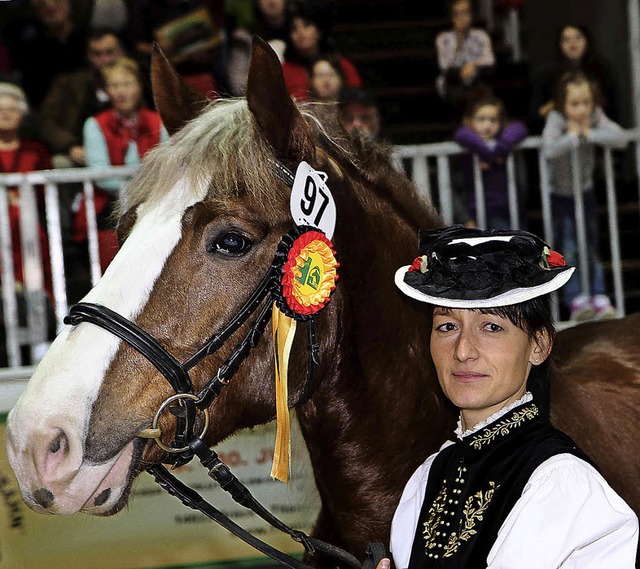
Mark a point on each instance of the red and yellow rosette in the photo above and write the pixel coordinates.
(310, 273)
(308, 276)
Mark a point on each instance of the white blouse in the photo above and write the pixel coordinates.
(567, 517)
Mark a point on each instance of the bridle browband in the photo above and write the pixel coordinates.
(185, 405)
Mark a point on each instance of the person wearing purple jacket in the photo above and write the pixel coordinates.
(486, 134)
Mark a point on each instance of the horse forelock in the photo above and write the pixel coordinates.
(221, 149)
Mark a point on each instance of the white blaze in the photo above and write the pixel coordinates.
(66, 383)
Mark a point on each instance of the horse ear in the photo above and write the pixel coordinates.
(275, 112)
(176, 102)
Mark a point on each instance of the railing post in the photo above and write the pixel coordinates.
(444, 189)
(512, 189)
(54, 231)
(92, 231)
(34, 290)
(545, 199)
(580, 225)
(614, 232)
(478, 189)
(420, 175)
(9, 301)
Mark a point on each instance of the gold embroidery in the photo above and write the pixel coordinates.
(434, 519)
(474, 509)
(439, 542)
(505, 426)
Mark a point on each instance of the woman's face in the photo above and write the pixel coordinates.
(573, 44)
(52, 13)
(461, 16)
(326, 82)
(305, 37)
(578, 105)
(486, 121)
(271, 8)
(10, 114)
(482, 360)
(124, 91)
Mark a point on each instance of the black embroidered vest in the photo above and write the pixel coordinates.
(474, 483)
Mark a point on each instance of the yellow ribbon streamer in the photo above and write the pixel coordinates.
(284, 329)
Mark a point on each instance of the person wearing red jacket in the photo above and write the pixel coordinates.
(120, 135)
(21, 155)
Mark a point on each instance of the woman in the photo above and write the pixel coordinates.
(465, 56)
(574, 53)
(327, 80)
(120, 135)
(308, 41)
(21, 155)
(511, 491)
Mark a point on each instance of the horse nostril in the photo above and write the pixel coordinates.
(102, 497)
(43, 497)
(59, 442)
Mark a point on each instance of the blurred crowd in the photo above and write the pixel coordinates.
(74, 91)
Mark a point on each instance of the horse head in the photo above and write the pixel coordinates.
(199, 228)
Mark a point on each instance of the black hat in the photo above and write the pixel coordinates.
(460, 267)
(356, 95)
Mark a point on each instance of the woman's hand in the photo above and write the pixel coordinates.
(385, 563)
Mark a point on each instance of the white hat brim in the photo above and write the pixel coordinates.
(513, 296)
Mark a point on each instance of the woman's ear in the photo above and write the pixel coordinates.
(541, 348)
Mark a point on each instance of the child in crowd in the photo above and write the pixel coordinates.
(20, 155)
(577, 123)
(486, 134)
(120, 135)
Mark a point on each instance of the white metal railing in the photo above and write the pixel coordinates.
(427, 164)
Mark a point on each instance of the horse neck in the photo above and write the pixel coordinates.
(378, 412)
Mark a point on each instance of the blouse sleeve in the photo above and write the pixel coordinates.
(568, 516)
(97, 153)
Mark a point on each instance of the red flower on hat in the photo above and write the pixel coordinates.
(415, 266)
(555, 259)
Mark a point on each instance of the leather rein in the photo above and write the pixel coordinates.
(191, 409)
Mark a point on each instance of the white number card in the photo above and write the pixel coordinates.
(311, 201)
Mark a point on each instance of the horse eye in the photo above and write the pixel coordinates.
(232, 244)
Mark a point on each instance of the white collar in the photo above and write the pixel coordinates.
(482, 424)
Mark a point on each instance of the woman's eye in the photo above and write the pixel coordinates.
(232, 244)
(492, 327)
(445, 327)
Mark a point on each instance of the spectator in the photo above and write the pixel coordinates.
(270, 21)
(74, 97)
(327, 80)
(577, 123)
(117, 136)
(45, 45)
(573, 53)
(358, 112)
(309, 40)
(465, 56)
(191, 34)
(21, 155)
(486, 134)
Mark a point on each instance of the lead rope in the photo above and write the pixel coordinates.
(221, 473)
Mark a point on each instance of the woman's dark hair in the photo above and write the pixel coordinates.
(575, 78)
(316, 13)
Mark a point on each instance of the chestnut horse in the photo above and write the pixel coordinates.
(200, 225)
